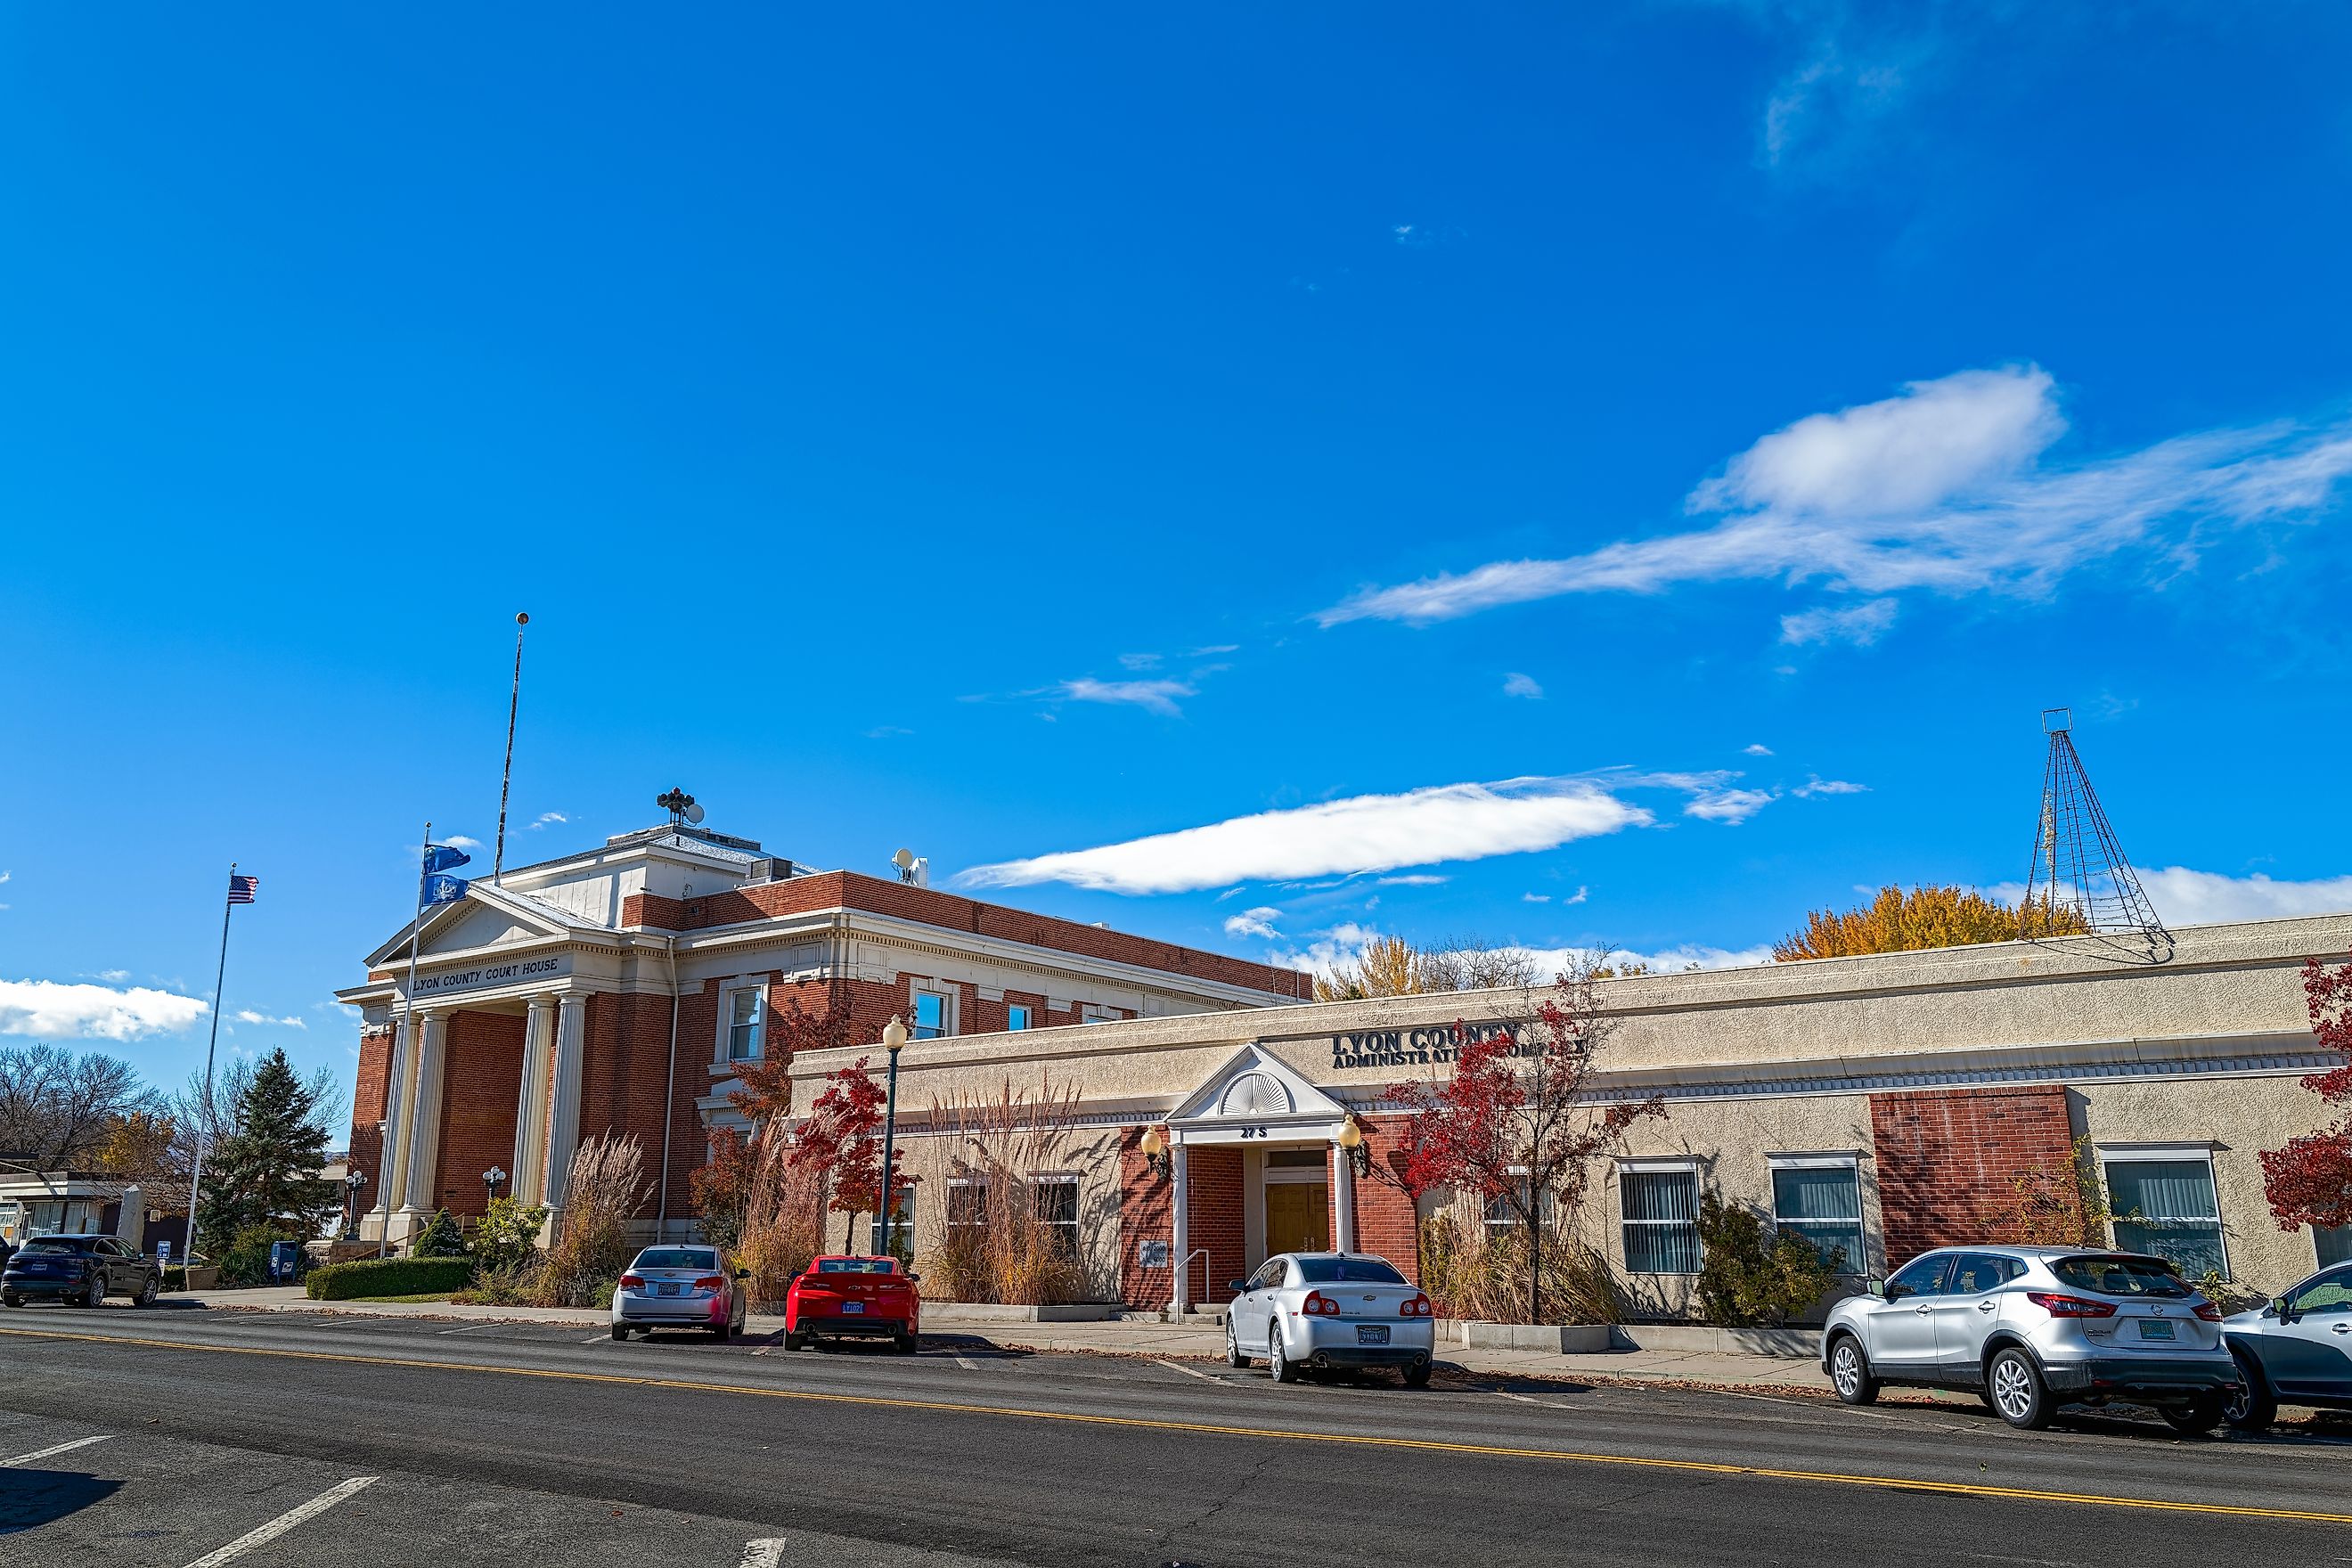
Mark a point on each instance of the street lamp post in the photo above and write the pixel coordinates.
(493, 1178)
(894, 1040)
(352, 1183)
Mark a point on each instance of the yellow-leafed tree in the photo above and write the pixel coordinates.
(1895, 921)
(1391, 966)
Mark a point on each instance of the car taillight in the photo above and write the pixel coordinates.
(1416, 1308)
(710, 1282)
(2210, 1312)
(2059, 1305)
(633, 1281)
(1318, 1305)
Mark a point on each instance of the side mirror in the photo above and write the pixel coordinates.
(1876, 1287)
(2280, 1310)
(1237, 1285)
(742, 1274)
(914, 1280)
(1895, 1293)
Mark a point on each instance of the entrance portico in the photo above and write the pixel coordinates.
(1256, 1171)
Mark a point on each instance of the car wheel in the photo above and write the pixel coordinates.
(1849, 1371)
(95, 1295)
(723, 1332)
(11, 1300)
(796, 1342)
(1233, 1356)
(2253, 1406)
(1416, 1377)
(2195, 1420)
(905, 1344)
(620, 1331)
(1284, 1370)
(149, 1290)
(2018, 1394)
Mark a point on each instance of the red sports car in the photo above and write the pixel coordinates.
(854, 1298)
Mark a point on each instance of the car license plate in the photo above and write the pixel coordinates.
(1372, 1333)
(853, 1307)
(668, 1287)
(2155, 1328)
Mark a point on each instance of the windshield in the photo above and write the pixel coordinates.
(678, 1257)
(857, 1266)
(57, 1244)
(2120, 1275)
(1360, 1270)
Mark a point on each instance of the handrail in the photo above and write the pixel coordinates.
(1184, 1272)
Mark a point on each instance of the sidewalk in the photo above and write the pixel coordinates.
(1172, 1341)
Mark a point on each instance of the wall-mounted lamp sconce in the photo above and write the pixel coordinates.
(1156, 1155)
(1353, 1144)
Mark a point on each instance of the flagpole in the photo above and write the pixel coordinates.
(505, 776)
(408, 1032)
(205, 1113)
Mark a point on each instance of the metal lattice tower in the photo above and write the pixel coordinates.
(2083, 887)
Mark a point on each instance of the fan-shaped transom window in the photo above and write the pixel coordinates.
(1255, 1094)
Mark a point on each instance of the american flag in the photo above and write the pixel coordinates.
(242, 889)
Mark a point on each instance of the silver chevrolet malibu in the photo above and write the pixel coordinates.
(680, 1288)
(2028, 1329)
(1331, 1309)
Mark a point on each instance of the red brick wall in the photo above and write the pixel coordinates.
(1145, 1213)
(624, 1080)
(481, 1074)
(1947, 1158)
(367, 1114)
(1385, 1222)
(1212, 1218)
(851, 890)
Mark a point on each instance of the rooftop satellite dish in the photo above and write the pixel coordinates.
(904, 859)
(694, 815)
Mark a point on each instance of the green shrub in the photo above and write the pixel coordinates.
(247, 1261)
(439, 1238)
(508, 1234)
(511, 1284)
(175, 1277)
(1748, 1278)
(388, 1277)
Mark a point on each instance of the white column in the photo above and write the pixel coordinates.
(563, 1103)
(1343, 1196)
(1177, 1208)
(425, 1115)
(530, 1106)
(391, 1161)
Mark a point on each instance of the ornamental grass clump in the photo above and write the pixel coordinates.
(1480, 1274)
(1007, 1236)
(592, 1242)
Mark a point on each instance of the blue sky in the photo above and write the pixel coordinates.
(1623, 479)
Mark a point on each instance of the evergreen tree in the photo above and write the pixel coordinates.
(265, 1171)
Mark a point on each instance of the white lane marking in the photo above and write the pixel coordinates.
(966, 1363)
(60, 1449)
(768, 1554)
(1188, 1371)
(599, 1339)
(283, 1522)
(472, 1328)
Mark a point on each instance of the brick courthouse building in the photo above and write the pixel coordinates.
(1882, 1104)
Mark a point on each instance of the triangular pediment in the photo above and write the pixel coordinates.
(1255, 1088)
(485, 917)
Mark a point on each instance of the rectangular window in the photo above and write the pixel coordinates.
(902, 1229)
(1819, 1198)
(1057, 1208)
(967, 1202)
(2334, 1244)
(1503, 1218)
(2164, 1203)
(1660, 1218)
(934, 1017)
(746, 1020)
(1016, 1015)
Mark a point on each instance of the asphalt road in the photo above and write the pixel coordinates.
(201, 1437)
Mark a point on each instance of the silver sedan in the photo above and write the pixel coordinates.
(1331, 1309)
(680, 1288)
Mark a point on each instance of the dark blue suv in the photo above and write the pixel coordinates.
(80, 1271)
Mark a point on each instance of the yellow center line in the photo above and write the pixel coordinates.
(1159, 1423)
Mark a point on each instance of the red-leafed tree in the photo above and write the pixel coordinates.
(2308, 1180)
(1517, 1119)
(723, 1189)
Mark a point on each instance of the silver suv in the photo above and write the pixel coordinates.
(2031, 1328)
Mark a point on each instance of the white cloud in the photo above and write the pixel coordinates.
(546, 817)
(51, 1010)
(117, 976)
(2183, 897)
(1580, 895)
(1412, 880)
(249, 1016)
(1216, 647)
(1514, 685)
(1153, 696)
(1942, 487)
(1729, 805)
(1258, 922)
(4, 876)
(1862, 625)
(1524, 898)
(1342, 944)
(459, 841)
(1693, 955)
(1758, 750)
(1816, 784)
(1359, 833)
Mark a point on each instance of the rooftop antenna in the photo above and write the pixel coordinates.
(905, 860)
(683, 812)
(2082, 885)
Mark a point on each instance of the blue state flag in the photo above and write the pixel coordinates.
(445, 889)
(443, 858)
